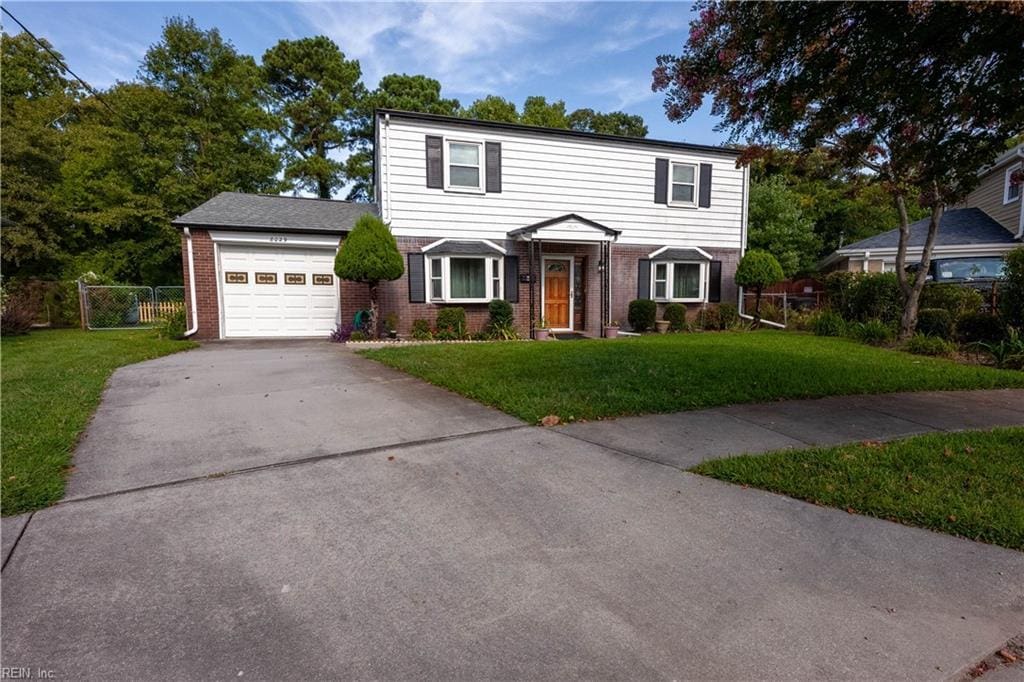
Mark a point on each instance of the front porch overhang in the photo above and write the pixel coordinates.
(570, 228)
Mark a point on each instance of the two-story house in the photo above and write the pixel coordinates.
(567, 226)
(972, 238)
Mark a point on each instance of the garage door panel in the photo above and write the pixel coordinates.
(278, 309)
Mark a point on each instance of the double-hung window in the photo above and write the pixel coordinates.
(465, 166)
(464, 279)
(1011, 189)
(679, 281)
(682, 188)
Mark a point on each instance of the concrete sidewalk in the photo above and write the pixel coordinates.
(685, 439)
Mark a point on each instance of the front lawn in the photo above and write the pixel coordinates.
(606, 378)
(51, 384)
(967, 484)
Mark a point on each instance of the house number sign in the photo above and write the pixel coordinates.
(279, 239)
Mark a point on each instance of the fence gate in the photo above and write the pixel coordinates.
(129, 307)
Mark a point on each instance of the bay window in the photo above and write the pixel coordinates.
(679, 281)
(464, 279)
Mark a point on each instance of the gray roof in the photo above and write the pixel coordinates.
(475, 248)
(680, 254)
(958, 227)
(238, 211)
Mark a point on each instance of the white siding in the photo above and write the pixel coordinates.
(545, 176)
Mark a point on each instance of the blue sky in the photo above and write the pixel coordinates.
(597, 55)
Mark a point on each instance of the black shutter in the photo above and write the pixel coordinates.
(435, 162)
(715, 282)
(512, 279)
(417, 282)
(492, 154)
(643, 278)
(704, 196)
(661, 181)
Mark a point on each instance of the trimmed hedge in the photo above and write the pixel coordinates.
(980, 327)
(675, 313)
(451, 319)
(935, 322)
(642, 312)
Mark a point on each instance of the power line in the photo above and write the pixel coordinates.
(92, 91)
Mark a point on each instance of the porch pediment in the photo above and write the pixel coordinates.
(567, 228)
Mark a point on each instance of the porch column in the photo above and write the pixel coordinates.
(531, 270)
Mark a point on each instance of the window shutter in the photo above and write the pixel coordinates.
(715, 281)
(435, 162)
(704, 195)
(492, 154)
(417, 282)
(643, 278)
(512, 279)
(661, 181)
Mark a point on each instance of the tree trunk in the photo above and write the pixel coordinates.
(373, 310)
(912, 292)
(323, 187)
(757, 307)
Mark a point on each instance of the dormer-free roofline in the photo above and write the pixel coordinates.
(557, 132)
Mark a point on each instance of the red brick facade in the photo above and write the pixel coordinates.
(206, 284)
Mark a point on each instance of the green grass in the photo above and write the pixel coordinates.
(51, 384)
(968, 484)
(605, 378)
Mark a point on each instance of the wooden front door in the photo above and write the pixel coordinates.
(557, 274)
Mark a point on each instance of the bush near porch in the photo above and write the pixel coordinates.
(607, 378)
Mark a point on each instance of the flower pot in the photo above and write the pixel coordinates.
(392, 334)
(541, 334)
(611, 332)
(661, 326)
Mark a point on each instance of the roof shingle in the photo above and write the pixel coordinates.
(238, 211)
(958, 227)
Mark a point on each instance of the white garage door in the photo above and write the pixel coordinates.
(267, 291)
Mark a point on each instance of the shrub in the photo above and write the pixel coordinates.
(451, 319)
(729, 315)
(358, 336)
(838, 286)
(675, 313)
(710, 319)
(771, 312)
(935, 322)
(1006, 354)
(173, 325)
(874, 332)
(876, 296)
(922, 344)
(16, 312)
(642, 312)
(391, 322)
(500, 324)
(757, 270)
(1011, 290)
(975, 327)
(421, 330)
(369, 254)
(341, 333)
(828, 323)
(953, 298)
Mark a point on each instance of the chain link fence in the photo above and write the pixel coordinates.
(129, 307)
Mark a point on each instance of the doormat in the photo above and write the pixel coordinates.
(570, 336)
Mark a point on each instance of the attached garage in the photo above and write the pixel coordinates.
(262, 266)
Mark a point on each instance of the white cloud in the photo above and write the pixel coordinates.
(624, 92)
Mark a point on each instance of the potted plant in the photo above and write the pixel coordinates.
(661, 326)
(391, 323)
(541, 330)
(611, 330)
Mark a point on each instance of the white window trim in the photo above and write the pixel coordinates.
(1006, 185)
(482, 167)
(670, 278)
(494, 269)
(696, 183)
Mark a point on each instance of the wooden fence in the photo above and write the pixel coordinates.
(152, 312)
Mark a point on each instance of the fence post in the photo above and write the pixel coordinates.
(785, 309)
(82, 315)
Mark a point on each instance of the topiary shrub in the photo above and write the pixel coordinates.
(935, 322)
(1011, 290)
(729, 315)
(421, 330)
(369, 254)
(675, 313)
(980, 327)
(922, 344)
(451, 319)
(757, 270)
(873, 332)
(710, 319)
(641, 315)
(953, 298)
(828, 323)
(500, 312)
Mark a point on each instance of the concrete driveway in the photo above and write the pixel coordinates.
(511, 552)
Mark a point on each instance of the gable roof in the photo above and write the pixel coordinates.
(239, 211)
(958, 227)
(557, 132)
(567, 218)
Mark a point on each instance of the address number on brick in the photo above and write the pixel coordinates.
(279, 239)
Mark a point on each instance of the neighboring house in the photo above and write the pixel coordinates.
(972, 238)
(567, 226)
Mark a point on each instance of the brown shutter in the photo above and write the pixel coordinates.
(435, 162)
(661, 181)
(704, 195)
(643, 278)
(492, 154)
(715, 281)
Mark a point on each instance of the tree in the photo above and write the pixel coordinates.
(537, 111)
(1011, 291)
(921, 95)
(778, 226)
(757, 270)
(611, 123)
(492, 108)
(314, 91)
(369, 254)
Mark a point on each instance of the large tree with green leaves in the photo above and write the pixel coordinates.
(538, 111)
(492, 108)
(611, 123)
(778, 225)
(920, 95)
(314, 90)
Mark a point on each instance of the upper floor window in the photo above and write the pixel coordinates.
(682, 189)
(1012, 183)
(464, 166)
(464, 279)
(679, 281)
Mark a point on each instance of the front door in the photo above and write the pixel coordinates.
(557, 300)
